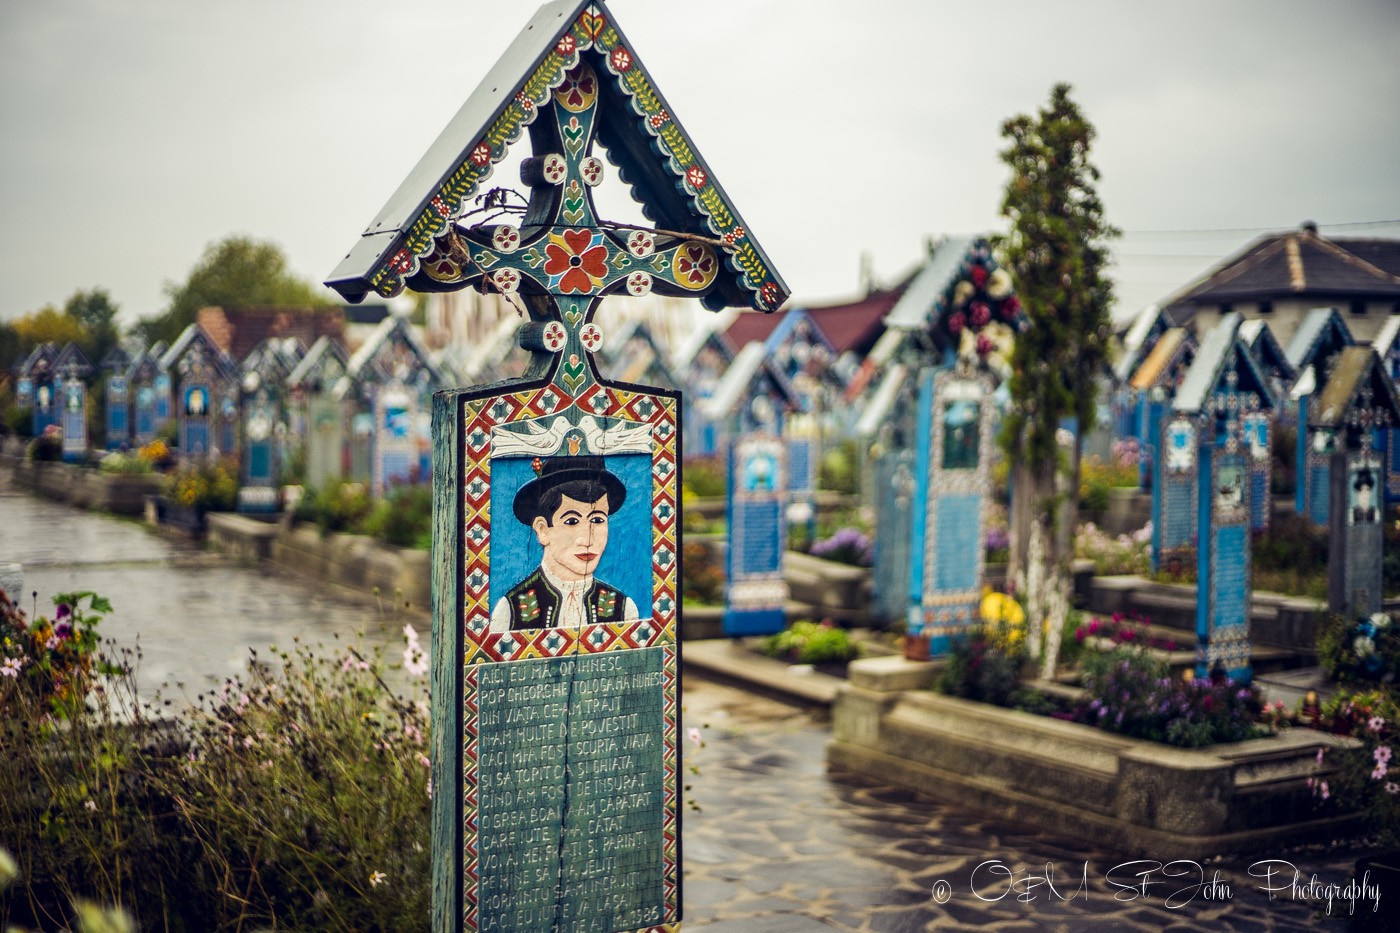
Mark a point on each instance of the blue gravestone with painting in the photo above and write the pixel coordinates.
(1357, 403)
(1174, 495)
(117, 431)
(555, 495)
(72, 371)
(954, 448)
(263, 411)
(203, 375)
(1315, 344)
(753, 401)
(1222, 390)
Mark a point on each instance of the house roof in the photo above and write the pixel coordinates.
(1357, 368)
(855, 326)
(237, 330)
(1322, 333)
(1298, 263)
(1222, 352)
(639, 129)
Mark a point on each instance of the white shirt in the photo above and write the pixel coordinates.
(571, 608)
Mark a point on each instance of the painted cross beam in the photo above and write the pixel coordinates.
(556, 533)
(1222, 391)
(1356, 404)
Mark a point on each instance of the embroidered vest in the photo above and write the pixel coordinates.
(535, 604)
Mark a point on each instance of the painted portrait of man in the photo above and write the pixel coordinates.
(1363, 497)
(568, 508)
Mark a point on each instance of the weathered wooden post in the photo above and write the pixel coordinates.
(556, 538)
(1355, 405)
(1222, 388)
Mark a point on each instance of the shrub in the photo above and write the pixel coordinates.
(808, 642)
(985, 664)
(705, 475)
(1132, 693)
(1126, 554)
(404, 519)
(846, 546)
(209, 487)
(337, 507)
(124, 464)
(838, 470)
(19, 419)
(1361, 778)
(157, 453)
(47, 447)
(296, 798)
(702, 579)
(1360, 652)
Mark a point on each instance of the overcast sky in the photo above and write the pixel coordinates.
(136, 132)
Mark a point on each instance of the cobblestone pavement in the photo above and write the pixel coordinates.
(777, 843)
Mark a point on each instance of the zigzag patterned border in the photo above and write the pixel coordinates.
(481, 646)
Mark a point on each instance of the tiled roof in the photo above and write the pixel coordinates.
(1300, 262)
(855, 326)
(237, 331)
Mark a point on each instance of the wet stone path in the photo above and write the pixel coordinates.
(777, 844)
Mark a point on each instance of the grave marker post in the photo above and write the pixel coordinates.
(1357, 403)
(556, 526)
(955, 447)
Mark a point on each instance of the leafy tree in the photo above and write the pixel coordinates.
(1056, 252)
(96, 313)
(46, 324)
(237, 271)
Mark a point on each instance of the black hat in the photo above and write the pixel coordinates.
(1365, 480)
(554, 472)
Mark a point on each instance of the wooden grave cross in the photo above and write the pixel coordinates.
(556, 542)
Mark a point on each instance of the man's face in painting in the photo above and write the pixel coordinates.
(574, 538)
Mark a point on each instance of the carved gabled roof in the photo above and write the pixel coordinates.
(194, 339)
(374, 361)
(117, 360)
(1142, 335)
(751, 369)
(323, 364)
(72, 359)
(1268, 352)
(1358, 381)
(1223, 365)
(1172, 348)
(657, 159)
(632, 355)
(39, 362)
(144, 368)
(1322, 334)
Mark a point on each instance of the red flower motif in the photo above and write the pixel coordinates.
(981, 314)
(401, 262)
(439, 206)
(1010, 306)
(984, 344)
(580, 264)
(566, 45)
(956, 322)
(621, 60)
(696, 176)
(768, 294)
(578, 87)
(979, 276)
(481, 155)
(695, 264)
(659, 118)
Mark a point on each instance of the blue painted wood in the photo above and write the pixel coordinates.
(756, 592)
(118, 432)
(923, 442)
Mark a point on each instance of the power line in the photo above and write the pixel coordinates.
(1212, 231)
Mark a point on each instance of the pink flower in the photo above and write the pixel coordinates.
(694, 735)
(1375, 724)
(422, 759)
(1325, 792)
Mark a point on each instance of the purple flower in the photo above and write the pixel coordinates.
(64, 611)
(63, 630)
